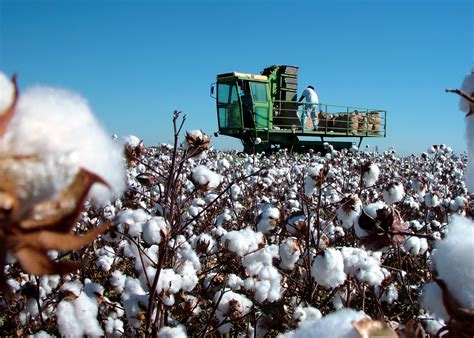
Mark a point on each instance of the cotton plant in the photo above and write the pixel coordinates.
(451, 296)
(48, 169)
(250, 252)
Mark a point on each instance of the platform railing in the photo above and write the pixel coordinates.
(332, 119)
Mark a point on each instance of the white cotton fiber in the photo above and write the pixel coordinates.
(454, 262)
(172, 332)
(243, 241)
(394, 193)
(469, 173)
(205, 178)
(467, 87)
(49, 122)
(371, 176)
(6, 92)
(335, 325)
(432, 299)
(328, 269)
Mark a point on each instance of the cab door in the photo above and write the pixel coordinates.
(261, 104)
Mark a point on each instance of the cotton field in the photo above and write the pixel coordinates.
(201, 242)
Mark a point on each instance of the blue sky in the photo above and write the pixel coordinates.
(138, 61)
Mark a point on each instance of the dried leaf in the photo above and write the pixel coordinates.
(6, 116)
(50, 240)
(62, 213)
(37, 262)
(368, 328)
(31, 249)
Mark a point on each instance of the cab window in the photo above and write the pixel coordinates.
(259, 91)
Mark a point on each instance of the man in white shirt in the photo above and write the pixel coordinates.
(310, 107)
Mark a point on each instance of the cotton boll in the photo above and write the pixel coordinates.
(34, 180)
(188, 276)
(205, 179)
(431, 324)
(7, 90)
(268, 219)
(223, 164)
(117, 281)
(289, 253)
(370, 174)
(172, 332)
(242, 241)
(114, 327)
(234, 282)
(432, 200)
(388, 295)
(105, 258)
(467, 87)
(364, 265)
(131, 141)
(231, 304)
(394, 193)
(153, 229)
(349, 211)
(328, 269)
(335, 325)
(415, 245)
(78, 317)
(432, 299)
(55, 121)
(453, 260)
(40, 334)
(311, 180)
(307, 313)
(469, 172)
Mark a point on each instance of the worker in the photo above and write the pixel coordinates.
(310, 107)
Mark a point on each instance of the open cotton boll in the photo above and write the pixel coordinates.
(349, 211)
(7, 89)
(432, 300)
(78, 317)
(335, 325)
(328, 268)
(231, 304)
(172, 332)
(388, 295)
(268, 218)
(40, 334)
(242, 241)
(467, 87)
(306, 313)
(289, 253)
(153, 228)
(363, 264)
(223, 164)
(394, 193)
(131, 140)
(453, 260)
(469, 172)
(370, 175)
(49, 121)
(310, 181)
(35, 180)
(415, 245)
(204, 178)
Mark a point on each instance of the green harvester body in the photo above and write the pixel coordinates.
(265, 107)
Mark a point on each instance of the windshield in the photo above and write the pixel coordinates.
(228, 106)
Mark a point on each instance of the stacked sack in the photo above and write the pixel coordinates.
(374, 122)
(326, 122)
(347, 123)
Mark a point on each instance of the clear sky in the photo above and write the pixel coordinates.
(138, 61)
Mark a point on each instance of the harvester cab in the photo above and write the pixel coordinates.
(263, 112)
